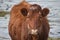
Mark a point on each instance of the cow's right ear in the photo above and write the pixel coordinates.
(24, 11)
(45, 12)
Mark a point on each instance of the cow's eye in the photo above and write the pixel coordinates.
(24, 11)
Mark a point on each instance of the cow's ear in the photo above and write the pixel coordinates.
(45, 12)
(24, 11)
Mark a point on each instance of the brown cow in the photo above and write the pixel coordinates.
(16, 19)
(28, 22)
(37, 23)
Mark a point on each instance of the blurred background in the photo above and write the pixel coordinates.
(53, 17)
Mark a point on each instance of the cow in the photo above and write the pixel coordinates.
(28, 22)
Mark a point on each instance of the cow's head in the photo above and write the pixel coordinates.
(34, 17)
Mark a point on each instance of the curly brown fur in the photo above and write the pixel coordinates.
(22, 16)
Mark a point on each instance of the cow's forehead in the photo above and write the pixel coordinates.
(33, 8)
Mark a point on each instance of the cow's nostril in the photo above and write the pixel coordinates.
(24, 11)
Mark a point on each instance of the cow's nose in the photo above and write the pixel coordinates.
(34, 32)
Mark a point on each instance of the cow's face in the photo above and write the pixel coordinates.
(34, 18)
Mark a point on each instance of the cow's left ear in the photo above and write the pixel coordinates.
(45, 12)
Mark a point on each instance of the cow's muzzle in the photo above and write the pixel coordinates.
(34, 31)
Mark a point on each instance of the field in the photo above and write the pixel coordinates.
(3, 13)
(53, 38)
